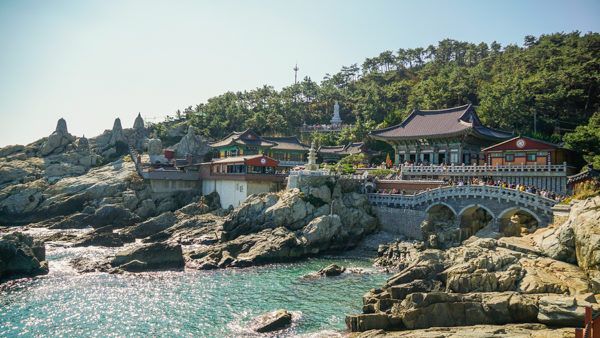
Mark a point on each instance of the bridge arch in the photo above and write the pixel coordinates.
(476, 205)
(474, 217)
(518, 220)
(513, 210)
(438, 204)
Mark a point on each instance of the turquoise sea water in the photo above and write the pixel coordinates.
(190, 303)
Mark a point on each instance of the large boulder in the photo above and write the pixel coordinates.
(154, 256)
(332, 270)
(272, 321)
(585, 220)
(21, 256)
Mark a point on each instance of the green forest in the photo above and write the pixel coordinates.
(548, 88)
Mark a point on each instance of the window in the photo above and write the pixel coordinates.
(454, 157)
(509, 157)
(531, 157)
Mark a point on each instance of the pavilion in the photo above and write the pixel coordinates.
(446, 136)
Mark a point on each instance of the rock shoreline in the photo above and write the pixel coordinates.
(486, 281)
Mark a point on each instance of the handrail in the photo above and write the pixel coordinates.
(437, 169)
(409, 200)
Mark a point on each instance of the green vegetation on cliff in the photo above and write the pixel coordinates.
(544, 88)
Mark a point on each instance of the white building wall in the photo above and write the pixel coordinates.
(235, 192)
(230, 192)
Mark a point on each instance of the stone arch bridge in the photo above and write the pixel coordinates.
(404, 213)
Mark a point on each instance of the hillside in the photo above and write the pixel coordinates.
(553, 77)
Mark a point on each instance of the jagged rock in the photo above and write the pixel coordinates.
(155, 256)
(138, 124)
(117, 133)
(332, 270)
(112, 214)
(21, 256)
(58, 140)
(151, 226)
(556, 310)
(272, 321)
(191, 144)
(103, 237)
(11, 149)
(557, 243)
(481, 282)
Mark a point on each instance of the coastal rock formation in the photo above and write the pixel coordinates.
(272, 321)
(332, 270)
(21, 256)
(148, 257)
(288, 225)
(480, 282)
(476, 331)
(58, 141)
(191, 144)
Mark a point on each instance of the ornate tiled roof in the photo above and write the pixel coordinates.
(247, 137)
(348, 149)
(439, 123)
(287, 143)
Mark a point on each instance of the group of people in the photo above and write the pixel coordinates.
(506, 185)
(502, 184)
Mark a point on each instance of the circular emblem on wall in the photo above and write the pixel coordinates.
(263, 161)
(521, 143)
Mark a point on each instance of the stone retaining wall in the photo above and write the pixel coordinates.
(404, 222)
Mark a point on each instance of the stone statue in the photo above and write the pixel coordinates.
(58, 140)
(336, 120)
(155, 147)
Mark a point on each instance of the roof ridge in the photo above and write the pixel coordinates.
(444, 110)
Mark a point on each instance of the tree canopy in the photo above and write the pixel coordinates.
(544, 88)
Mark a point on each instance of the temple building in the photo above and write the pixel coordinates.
(288, 151)
(236, 178)
(446, 136)
(524, 150)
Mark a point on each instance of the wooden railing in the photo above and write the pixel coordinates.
(481, 191)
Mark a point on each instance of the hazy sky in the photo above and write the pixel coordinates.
(92, 61)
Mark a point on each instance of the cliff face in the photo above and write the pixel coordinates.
(547, 277)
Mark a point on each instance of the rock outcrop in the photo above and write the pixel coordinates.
(149, 257)
(288, 225)
(480, 282)
(58, 141)
(191, 144)
(21, 256)
(272, 321)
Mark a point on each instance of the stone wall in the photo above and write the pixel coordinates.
(404, 222)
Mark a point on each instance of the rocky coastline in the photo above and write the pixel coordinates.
(545, 278)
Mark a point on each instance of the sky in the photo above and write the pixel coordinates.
(91, 61)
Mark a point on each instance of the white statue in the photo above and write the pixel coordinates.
(336, 120)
